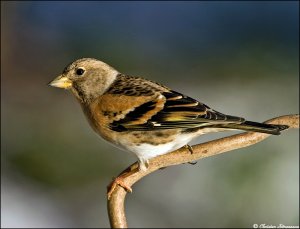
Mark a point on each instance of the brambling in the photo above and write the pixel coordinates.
(142, 116)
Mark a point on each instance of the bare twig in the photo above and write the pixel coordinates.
(115, 204)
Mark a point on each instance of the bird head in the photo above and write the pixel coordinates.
(87, 78)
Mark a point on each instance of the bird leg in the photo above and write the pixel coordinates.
(120, 180)
(189, 148)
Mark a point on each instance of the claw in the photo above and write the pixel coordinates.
(192, 162)
(117, 181)
(189, 148)
(120, 180)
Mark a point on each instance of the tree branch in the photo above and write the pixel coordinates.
(115, 204)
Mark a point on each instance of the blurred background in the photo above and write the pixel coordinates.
(240, 58)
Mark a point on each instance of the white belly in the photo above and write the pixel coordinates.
(147, 151)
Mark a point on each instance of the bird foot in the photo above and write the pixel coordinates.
(117, 181)
(120, 180)
(189, 148)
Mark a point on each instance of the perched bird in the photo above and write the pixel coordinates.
(142, 116)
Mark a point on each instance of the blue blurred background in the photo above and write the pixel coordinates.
(241, 58)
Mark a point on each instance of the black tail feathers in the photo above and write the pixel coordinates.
(265, 128)
(258, 127)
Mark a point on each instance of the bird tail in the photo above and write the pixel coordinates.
(257, 127)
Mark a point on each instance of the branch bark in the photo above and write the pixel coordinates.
(115, 204)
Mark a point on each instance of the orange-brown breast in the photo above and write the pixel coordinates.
(110, 107)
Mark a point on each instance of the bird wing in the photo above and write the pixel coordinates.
(171, 110)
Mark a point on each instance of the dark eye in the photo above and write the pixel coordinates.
(80, 71)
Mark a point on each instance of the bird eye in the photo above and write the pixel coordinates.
(80, 71)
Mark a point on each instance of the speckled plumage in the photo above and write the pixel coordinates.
(135, 86)
(142, 116)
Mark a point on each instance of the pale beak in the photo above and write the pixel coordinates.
(61, 82)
